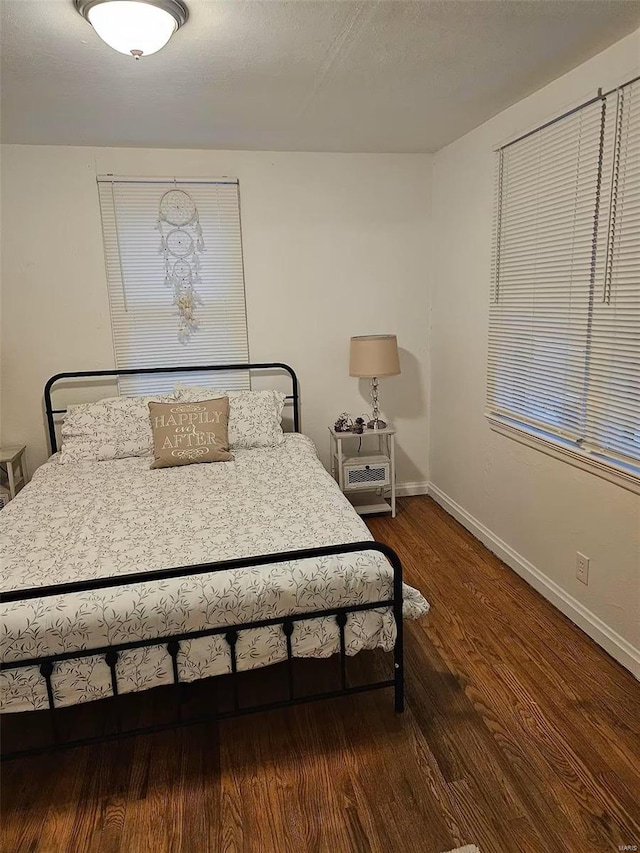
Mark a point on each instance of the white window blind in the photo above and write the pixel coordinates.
(144, 318)
(540, 306)
(564, 332)
(613, 401)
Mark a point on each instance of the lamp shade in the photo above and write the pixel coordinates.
(374, 356)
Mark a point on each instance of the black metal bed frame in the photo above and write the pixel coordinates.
(230, 633)
(141, 371)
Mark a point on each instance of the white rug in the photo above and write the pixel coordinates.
(469, 848)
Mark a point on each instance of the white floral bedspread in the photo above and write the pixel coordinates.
(96, 519)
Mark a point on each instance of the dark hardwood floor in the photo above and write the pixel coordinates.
(520, 736)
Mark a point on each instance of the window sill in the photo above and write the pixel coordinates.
(626, 476)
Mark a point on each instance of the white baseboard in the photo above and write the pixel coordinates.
(604, 636)
(407, 490)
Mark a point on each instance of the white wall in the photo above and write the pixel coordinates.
(334, 246)
(543, 509)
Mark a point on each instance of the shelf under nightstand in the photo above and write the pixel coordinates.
(368, 503)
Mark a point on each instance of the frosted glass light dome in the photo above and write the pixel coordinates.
(134, 27)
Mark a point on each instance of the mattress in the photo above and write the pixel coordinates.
(100, 519)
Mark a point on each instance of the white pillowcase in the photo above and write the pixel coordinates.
(113, 428)
(254, 416)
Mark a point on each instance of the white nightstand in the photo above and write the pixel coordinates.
(366, 477)
(13, 467)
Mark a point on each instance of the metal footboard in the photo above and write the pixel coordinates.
(111, 653)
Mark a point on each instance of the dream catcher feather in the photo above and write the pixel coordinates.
(181, 244)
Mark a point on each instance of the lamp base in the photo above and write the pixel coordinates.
(376, 424)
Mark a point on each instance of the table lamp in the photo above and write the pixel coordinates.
(373, 357)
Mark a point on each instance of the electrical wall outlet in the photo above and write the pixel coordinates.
(582, 567)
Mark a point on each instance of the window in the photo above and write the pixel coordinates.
(141, 259)
(564, 331)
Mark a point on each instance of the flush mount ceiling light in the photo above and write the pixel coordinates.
(134, 27)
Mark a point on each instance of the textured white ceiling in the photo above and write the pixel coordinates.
(317, 75)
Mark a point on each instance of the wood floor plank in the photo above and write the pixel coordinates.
(514, 717)
(520, 735)
(506, 763)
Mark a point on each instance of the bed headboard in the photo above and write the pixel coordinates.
(294, 397)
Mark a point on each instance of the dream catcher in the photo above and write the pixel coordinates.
(181, 244)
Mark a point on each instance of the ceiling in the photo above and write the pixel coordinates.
(305, 75)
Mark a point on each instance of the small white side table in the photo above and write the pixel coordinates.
(14, 467)
(365, 478)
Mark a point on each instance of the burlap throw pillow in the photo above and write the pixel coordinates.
(184, 433)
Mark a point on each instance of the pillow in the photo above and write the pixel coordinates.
(254, 416)
(180, 388)
(184, 433)
(114, 428)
